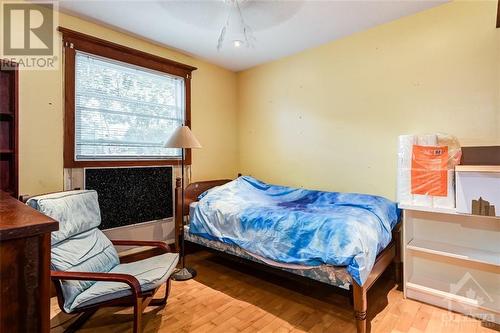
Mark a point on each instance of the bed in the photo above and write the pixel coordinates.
(341, 239)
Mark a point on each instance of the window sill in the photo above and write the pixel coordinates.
(107, 164)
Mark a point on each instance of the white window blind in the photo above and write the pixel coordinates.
(124, 112)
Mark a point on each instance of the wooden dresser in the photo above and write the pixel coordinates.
(24, 267)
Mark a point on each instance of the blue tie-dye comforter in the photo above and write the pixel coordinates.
(297, 226)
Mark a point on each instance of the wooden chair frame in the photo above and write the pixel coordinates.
(391, 254)
(139, 300)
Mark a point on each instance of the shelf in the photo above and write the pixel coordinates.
(444, 295)
(438, 288)
(428, 209)
(6, 151)
(455, 251)
(450, 211)
(6, 115)
(477, 168)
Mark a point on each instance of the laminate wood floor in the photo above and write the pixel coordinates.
(230, 297)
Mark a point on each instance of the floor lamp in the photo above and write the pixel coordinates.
(183, 138)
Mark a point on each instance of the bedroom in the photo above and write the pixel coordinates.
(314, 95)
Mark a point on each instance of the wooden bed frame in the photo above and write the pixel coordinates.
(391, 254)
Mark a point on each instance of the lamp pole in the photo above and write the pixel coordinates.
(183, 253)
(183, 138)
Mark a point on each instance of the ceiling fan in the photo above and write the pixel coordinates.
(239, 32)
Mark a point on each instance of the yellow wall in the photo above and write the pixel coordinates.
(41, 115)
(324, 118)
(329, 117)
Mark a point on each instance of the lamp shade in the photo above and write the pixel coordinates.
(182, 138)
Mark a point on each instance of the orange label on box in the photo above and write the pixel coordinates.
(429, 173)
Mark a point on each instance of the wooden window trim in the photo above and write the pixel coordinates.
(73, 41)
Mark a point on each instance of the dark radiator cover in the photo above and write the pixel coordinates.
(131, 195)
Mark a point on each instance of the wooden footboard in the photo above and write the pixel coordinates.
(391, 254)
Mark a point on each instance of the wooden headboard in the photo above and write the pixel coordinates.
(191, 194)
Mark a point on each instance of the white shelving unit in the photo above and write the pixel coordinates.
(452, 260)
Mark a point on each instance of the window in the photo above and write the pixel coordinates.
(121, 104)
(123, 111)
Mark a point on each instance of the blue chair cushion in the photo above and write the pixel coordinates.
(76, 212)
(89, 251)
(78, 246)
(151, 273)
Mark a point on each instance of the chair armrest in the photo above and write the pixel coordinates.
(98, 276)
(158, 244)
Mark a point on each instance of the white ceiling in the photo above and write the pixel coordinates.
(280, 28)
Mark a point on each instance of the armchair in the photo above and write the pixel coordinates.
(85, 267)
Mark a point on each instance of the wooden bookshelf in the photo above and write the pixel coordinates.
(9, 143)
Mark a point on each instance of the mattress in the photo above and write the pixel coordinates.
(332, 275)
(287, 226)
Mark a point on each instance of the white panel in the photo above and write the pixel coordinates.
(162, 230)
(472, 185)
